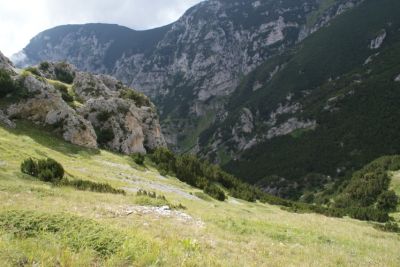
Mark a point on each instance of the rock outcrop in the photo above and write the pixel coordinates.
(46, 106)
(378, 41)
(6, 64)
(133, 129)
(85, 109)
(4, 120)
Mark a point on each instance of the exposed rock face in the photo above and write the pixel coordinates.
(397, 79)
(378, 41)
(6, 121)
(290, 126)
(88, 86)
(47, 107)
(107, 115)
(134, 129)
(6, 64)
(191, 66)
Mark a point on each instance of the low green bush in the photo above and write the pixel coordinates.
(200, 174)
(215, 192)
(392, 227)
(62, 74)
(138, 158)
(44, 66)
(85, 185)
(139, 98)
(104, 136)
(30, 167)
(146, 198)
(33, 70)
(103, 116)
(366, 196)
(152, 199)
(63, 89)
(142, 192)
(7, 85)
(47, 170)
(387, 201)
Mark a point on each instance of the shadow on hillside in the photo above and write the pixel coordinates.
(51, 140)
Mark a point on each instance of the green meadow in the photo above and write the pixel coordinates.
(42, 224)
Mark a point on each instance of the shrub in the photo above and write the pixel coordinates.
(52, 166)
(62, 74)
(67, 98)
(47, 170)
(178, 207)
(138, 158)
(44, 66)
(387, 201)
(104, 136)
(215, 192)
(142, 192)
(163, 172)
(191, 170)
(188, 169)
(64, 92)
(164, 159)
(46, 175)
(388, 227)
(150, 199)
(84, 185)
(30, 167)
(33, 70)
(139, 98)
(366, 196)
(7, 85)
(103, 116)
(60, 87)
(367, 214)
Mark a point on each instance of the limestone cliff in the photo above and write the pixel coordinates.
(85, 109)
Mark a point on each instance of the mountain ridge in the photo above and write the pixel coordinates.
(200, 59)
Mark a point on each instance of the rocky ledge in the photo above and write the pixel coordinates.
(85, 109)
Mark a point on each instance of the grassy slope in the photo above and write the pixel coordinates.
(235, 233)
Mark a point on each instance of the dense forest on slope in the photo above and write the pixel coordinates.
(347, 88)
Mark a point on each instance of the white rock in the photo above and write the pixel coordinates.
(290, 126)
(378, 41)
(6, 121)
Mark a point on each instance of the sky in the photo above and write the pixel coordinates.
(20, 20)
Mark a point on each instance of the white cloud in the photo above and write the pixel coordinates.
(20, 20)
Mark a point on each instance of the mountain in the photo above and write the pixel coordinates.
(85, 109)
(90, 47)
(188, 68)
(290, 95)
(319, 111)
